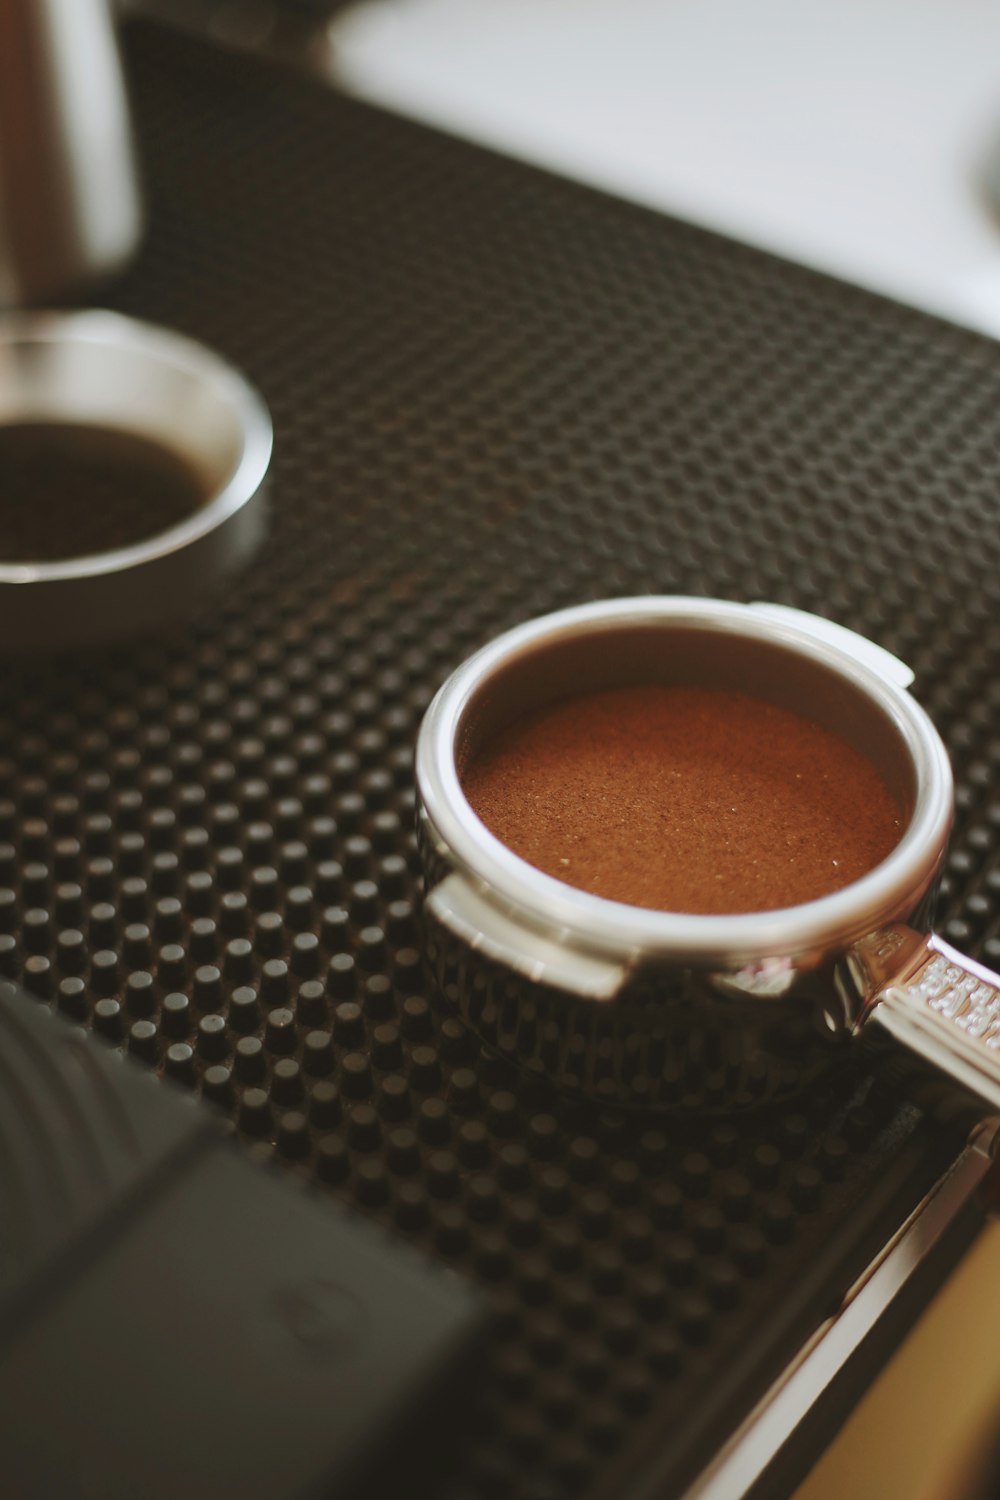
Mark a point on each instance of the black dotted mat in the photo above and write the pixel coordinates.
(494, 393)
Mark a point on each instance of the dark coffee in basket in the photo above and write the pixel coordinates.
(684, 800)
(70, 490)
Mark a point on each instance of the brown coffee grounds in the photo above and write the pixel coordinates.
(70, 490)
(684, 800)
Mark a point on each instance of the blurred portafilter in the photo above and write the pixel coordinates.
(69, 203)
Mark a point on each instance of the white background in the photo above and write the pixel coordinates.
(857, 136)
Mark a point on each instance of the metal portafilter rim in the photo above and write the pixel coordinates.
(106, 370)
(610, 928)
(662, 1008)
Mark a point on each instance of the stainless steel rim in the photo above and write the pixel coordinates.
(167, 350)
(610, 928)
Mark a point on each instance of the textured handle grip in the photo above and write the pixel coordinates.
(946, 1007)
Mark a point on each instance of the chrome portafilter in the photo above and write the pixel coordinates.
(677, 1011)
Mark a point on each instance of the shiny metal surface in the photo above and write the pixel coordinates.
(106, 370)
(942, 1006)
(727, 998)
(744, 1459)
(69, 203)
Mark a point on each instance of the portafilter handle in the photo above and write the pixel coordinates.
(934, 1001)
(69, 203)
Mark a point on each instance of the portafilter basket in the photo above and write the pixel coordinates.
(104, 371)
(669, 1010)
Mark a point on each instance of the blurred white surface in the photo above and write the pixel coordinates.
(856, 136)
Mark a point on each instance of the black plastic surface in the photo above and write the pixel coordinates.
(206, 1328)
(77, 1137)
(494, 393)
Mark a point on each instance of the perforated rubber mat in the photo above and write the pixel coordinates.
(494, 393)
